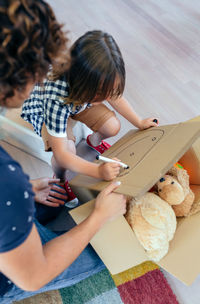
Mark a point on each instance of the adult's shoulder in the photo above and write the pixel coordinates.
(14, 183)
(6, 159)
(16, 203)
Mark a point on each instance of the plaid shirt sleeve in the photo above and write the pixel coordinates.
(55, 118)
(56, 112)
(46, 105)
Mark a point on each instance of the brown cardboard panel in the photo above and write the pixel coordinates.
(116, 255)
(148, 162)
(182, 259)
(191, 159)
(194, 119)
(149, 154)
(120, 253)
(196, 190)
(196, 204)
(191, 162)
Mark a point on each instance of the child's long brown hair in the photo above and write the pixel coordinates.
(97, 69)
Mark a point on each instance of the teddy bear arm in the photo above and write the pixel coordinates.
(183, 209)
(157, 255)
(183, 179)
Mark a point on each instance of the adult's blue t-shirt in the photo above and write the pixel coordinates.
(16, 209)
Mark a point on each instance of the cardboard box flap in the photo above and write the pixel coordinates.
(117, 256)
(118, 247)
(149, 154)
(182, 259)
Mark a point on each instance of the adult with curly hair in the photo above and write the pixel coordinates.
(33, 259)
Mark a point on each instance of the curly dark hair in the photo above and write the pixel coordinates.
(31, 40)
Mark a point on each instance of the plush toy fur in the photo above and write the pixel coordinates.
(153, 216)
(154, 223)
(174, 188)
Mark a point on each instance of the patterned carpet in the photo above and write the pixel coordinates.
(143, 284)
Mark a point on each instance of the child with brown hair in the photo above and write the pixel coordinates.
(96, 73)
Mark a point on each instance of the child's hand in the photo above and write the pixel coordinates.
(148, 122)
(109, 171)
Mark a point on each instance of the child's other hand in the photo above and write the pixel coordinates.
(148, 122)
(109, 171)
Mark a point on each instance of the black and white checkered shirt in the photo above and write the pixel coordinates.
(46, 105)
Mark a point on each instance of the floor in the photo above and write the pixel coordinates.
(160, 43)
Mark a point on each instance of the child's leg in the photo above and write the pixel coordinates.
(101, 120)
(69, 145)
(110, 128)
(60, 172)
(57, 169)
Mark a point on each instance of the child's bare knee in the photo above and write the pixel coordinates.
(111, 127)
(117, 126)
(114, 126)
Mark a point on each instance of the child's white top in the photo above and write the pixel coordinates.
(46, 105)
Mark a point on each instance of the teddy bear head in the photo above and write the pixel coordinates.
(175, 189)
(170, 190)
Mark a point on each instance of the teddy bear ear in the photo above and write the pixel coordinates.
(183, 179)
(173, 171)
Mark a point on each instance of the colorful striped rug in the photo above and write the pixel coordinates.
(143, 284)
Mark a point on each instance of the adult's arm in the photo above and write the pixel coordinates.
(31, 265)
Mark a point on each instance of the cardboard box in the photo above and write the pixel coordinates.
(149, 154)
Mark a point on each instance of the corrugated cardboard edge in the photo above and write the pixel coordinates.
(123, 253)
(182, 259)
(177, 140)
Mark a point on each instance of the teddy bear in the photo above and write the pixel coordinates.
(153, 216)
(154, 223)
(175, 189)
